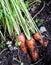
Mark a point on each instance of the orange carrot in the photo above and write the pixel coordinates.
(31, 45)
(21, 39)
(22, 47)
(38, 37)
(34, 55)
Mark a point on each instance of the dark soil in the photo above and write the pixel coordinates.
(7, 58)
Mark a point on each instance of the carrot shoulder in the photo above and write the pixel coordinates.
(38, 37)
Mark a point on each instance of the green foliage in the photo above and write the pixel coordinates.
(2, 39)
(39, 22)
(17, 43)
(1, 14)
(2, 44)
(27, 3)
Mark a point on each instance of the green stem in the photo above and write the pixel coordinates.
(33, 25)
(13, 21)
(22, 22)
(7, 22)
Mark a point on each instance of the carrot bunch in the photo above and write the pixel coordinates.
(32, 25)
(26, 24)
(34, 29)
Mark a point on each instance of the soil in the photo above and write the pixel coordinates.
(7, 58)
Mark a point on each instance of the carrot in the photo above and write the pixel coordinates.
(22, 47)
(31, 45)
(21, 39)
(34, 55)
(37, 36)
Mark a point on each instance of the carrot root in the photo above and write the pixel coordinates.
(31, 46)
(38, 37)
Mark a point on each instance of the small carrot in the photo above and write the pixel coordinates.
(22, 47)
(38, 37)
(31, 45)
